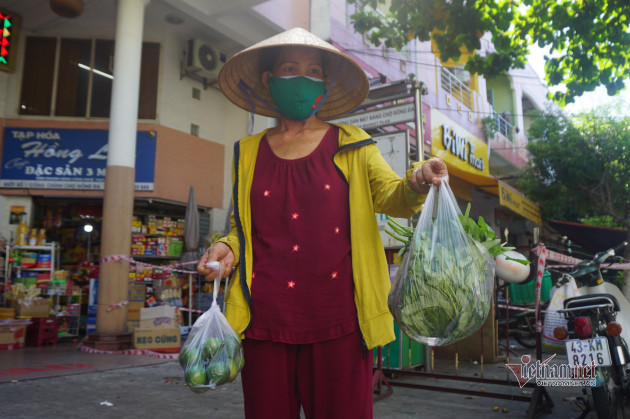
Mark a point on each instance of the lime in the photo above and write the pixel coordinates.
(240, 361)
(218, 372)
(233, 369)
(211, 347)
(189, 355)
(232, 345)
(196, 377)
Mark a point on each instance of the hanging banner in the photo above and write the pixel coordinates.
(381, 117)
(67, 159)
(513, 200)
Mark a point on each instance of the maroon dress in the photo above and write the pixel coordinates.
(303, 345)
(302, 289)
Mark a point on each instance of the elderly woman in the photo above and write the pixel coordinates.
(309, 290)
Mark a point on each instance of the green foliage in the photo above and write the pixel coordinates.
(588, 39)
(480, 231)
(580, 167)
(489, 127)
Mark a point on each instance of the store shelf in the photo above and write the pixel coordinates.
(68, 320)
(46, 248)
(13, 273)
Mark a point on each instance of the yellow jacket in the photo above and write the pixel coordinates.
(373, 187)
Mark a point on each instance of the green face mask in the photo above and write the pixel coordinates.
(297, 97)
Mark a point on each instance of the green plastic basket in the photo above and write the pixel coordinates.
(526, 293)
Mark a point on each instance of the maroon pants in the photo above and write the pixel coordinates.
(331, 379)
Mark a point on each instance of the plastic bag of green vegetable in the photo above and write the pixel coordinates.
(443, 289)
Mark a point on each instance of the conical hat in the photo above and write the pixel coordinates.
(348, 91)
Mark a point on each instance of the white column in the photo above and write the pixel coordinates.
(120, 173)
(124, 104)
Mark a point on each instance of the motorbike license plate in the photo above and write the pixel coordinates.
(588, 351)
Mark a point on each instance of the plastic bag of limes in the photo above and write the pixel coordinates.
(212, 354)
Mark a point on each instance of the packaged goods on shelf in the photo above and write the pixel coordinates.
(36, 307)
(28, 260)
(136, 225)
(7, 313)
(43, 261)
(137, 292)
(169, 291)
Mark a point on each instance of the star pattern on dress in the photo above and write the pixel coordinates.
(291, 284)
(337, 230)
(295, 216)
(253, 275)
(296, 248)
(327, 187)
(266, 193)
(333, 275)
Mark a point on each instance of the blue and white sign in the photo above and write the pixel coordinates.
(67, 159)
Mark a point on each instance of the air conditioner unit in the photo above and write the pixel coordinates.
(204, 59)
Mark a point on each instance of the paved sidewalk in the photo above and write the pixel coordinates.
(64, 382)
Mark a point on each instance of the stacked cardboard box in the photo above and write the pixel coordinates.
(35, 307)
(158, 329)
(12, 334)
(137, 296)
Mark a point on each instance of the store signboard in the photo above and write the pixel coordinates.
(382, 117)
(394, 147)
(67, 159)
(463, 153)
(511, 199)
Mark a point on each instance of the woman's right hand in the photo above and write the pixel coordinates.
(221, 253)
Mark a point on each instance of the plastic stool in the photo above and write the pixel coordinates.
(43, 330)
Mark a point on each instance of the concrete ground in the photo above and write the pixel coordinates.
(64, 382)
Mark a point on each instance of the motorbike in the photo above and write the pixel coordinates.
(597, 332)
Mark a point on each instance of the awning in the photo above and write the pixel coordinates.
(508, 197)
(514, 200)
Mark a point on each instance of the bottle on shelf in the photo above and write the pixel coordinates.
(22, 233)
(32, 238)
(41, 237)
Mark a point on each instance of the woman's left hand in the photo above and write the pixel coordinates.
(431, 172)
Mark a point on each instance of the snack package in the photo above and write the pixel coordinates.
(443, 288)
(212, 354)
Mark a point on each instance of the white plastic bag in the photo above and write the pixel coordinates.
(212, 354)
(563, 290)
(443, 288)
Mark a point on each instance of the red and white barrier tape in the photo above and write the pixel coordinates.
(518, 308)
(115, 258)
(190, 309)
(542, 253)
(158, 355)
(569, 261)
(117, 305)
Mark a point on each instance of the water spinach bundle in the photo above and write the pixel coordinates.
(443, 289)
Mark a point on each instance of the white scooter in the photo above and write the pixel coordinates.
(598, 332)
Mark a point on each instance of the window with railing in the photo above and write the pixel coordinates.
(456, 88)
(503, 126)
